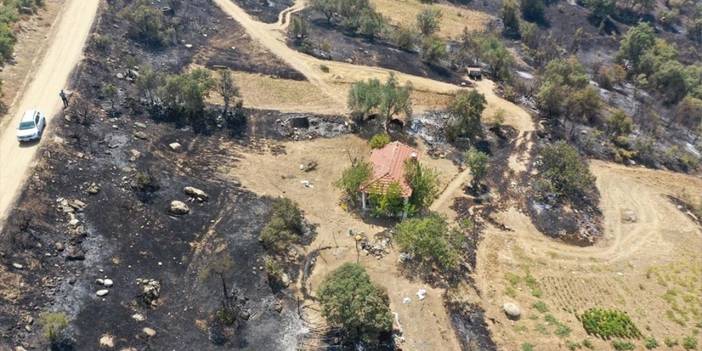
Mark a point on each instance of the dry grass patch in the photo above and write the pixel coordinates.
(454, 19)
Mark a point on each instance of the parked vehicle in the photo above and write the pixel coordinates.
(31, 126)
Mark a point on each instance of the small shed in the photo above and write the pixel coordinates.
(388, 165)
(475, 73)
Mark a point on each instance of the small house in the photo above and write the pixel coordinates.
(388, 165)
(475, 73)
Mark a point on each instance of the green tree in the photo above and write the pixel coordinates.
(433, 50)
(431, 242)
(379, 140)
(405, 38)
(496, 56)
(466, 110)
(388, 202)
(109, 91)
(227, 89)
(533, 10)
(670, 81)
(689, 112)
(284, 227)
(600, 10)
(147, 24)
(429, 20)
(635, 42)
(566, 173)
(7, 42)
(395, 99)
(148, 84)
(424, 183)
(325, 7)
(370, 24)
(619, 123)
(351, 301)
(353, 177)
(477, 162)
(184, 94)
(364, 96)
(510, 19)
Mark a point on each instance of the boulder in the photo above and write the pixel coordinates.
(102, 292)
(93, 189)
(195, 193)
(512, 310)
(75, 253)
(178, 208)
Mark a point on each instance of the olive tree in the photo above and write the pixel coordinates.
(429, 20)
(431, 242)
(351, 301)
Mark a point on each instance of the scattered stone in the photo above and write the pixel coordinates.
(512, 310)
(141, 135)
(20, 348)
(105, 282)
(629, 216)
(107, 341)
(178, 208)
(406, 300)
(58, 246)
(151, 290)
(77, 204)
(175, 147)
(17, 265)
(119, 75)
(421, 294)
(138, 317)
(149, 332)
(309, 166)
(195, 193)
(102, 292)
(135, 155)
(93, 189)
(75, 253)
(278, 306)
(188, 46)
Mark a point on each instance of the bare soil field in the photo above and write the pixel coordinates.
(454, 16)
(646, 267)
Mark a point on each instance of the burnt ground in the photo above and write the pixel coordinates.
(265, 10)
(124, 234)
(331, 42)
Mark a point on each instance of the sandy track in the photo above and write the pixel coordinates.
(67, 42)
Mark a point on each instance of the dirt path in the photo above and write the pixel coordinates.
(67, 42)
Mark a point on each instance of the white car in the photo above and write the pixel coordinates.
(31, 126)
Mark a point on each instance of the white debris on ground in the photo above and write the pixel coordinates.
(421, 294)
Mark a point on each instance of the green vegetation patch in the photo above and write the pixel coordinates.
(608, 323)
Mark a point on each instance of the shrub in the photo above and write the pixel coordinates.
(651, 343)
(324, 68)
(510, 19)
(622, 345)
(53, 325)
(540, 306)
(619, 123)
(689, 343)
(351, 301)
(424, 184)
(431, 242)
(352, 178)
(533, 10)
(527, 347)
(564, 172)
(428, 20)
(477, 161)
(466, 110)
(606, 323)
(588, 344)
(670, 342)
(388, 202)
(284, 227)
(379, 140)
(433, 50)
(147, 24)
(404, 38)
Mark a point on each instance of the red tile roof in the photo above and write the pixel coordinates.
(389, 167)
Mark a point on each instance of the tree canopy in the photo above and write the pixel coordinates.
(430, 240)
(466, 111)
(352, 302)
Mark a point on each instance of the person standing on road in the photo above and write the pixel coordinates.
(64, 98)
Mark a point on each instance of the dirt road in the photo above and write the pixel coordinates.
(66, 40)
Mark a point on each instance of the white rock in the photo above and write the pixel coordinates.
(102, 292)
(107, 283)
(149, 332)
(178, 208)
(421, 294)
(175, 146)
(195, 193)
(512, 310)
(17, 265)
(107, 341)
(138, 317)
(406, 300)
